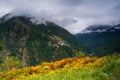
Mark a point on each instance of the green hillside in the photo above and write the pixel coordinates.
(101, 43)
(34, 43)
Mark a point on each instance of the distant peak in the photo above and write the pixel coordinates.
(9, 16)
(101, 28)
(5, 17)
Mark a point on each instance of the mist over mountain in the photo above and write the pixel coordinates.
(73, 16)
(34, 43)
(101, 40)
(102, 28)
(59, 39)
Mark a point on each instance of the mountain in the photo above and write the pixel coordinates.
(102, 28)
(34, 43)
(101, 40)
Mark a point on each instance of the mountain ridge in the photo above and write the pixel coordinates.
(102, 28)
(100, 43)
(35, 43)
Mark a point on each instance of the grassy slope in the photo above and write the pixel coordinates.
(106, 68)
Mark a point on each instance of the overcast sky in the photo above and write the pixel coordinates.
(73, 15)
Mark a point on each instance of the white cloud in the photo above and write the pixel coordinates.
(73, 15)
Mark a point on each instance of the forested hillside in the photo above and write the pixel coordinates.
(34, 43)
(101, 40)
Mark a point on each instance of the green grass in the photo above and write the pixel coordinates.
(109, 70)
(78, 74)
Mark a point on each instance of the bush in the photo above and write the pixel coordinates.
(10, 63)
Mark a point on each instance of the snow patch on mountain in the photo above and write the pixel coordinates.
(101, 28)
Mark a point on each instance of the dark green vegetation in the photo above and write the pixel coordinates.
(101, 43)
(33, 43)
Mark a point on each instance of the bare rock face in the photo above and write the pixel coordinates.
(25, 58)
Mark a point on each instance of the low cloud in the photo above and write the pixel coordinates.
(73, 15)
